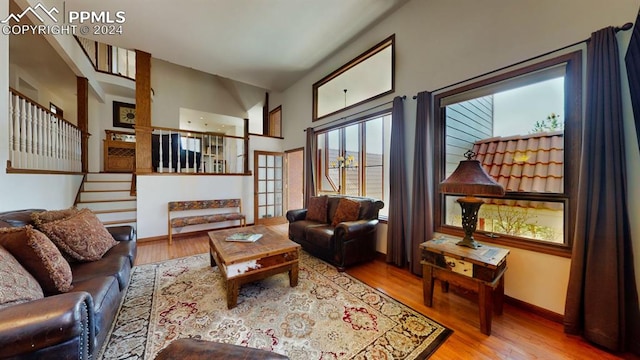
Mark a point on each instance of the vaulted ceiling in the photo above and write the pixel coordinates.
(266, 43)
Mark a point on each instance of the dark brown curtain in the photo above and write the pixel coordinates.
(602, 303)
(421, 215)
(632, 60)
(397, 221)
(309, 161)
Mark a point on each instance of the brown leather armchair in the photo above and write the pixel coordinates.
(347, 243)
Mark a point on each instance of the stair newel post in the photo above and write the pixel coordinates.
(143, 113)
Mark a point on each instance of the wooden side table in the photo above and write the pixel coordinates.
(480, 270)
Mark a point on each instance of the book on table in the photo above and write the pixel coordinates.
(244, 237)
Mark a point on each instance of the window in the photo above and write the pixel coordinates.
(353, 159)
(190, 144)
(524, 126)
(56, 110)
(275, 122)
(369, 76)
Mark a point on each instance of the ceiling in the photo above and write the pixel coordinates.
(266, 43)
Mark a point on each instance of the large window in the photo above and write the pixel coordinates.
(353, 159)
(524, 126)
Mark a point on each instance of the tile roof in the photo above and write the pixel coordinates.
(524, 163)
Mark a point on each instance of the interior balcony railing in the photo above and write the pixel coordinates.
(40, 139)
(109, 59)
(180, 151)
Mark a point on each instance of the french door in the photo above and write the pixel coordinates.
(268, 188)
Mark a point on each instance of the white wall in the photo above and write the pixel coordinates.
(439, 43)
(100, 119)
(155, 191)
(176, 86)
(65, 101)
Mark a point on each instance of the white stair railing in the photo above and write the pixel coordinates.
(195, 152)
(40, 140)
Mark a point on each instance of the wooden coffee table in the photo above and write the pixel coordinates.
(241, 263)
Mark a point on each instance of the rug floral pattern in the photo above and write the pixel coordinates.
(329, 315)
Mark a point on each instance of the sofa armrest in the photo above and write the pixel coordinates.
(47, 323)
(295, 215)
(122, 233)
(354, 229)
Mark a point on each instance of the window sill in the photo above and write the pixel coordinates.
(549, 249)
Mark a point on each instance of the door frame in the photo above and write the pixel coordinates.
(275, 220)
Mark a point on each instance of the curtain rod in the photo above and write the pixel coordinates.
(404, 97)
(624, 27)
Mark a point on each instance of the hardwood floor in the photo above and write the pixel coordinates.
(516, 334)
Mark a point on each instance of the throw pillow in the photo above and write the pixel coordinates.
(43, 217)
(39, 256)
(82, 236)
(16, 284)
(347, 210)
(317, 209)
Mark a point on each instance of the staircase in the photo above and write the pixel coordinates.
(108, 195)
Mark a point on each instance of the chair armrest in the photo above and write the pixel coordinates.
(354, 229)
(122, 233)
(37, 325)
(295, 215)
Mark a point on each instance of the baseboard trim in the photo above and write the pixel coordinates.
(524, 306)
(536, 310)
(184, 235)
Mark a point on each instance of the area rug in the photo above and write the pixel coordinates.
(329, 315)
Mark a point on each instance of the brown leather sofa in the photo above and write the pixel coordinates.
(345, 244)
(72, 325)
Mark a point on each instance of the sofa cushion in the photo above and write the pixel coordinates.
(348, 210)
(114, 265)
(321, 236)
(317, 209)
(47, 216)
(297, 229)
(39, 256)
(16, 284)
(82, 236)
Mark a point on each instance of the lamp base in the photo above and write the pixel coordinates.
(470, 206)
(470, 243)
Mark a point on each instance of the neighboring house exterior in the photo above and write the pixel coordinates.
(524, 163)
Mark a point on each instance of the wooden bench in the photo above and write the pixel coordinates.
(182, 221)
